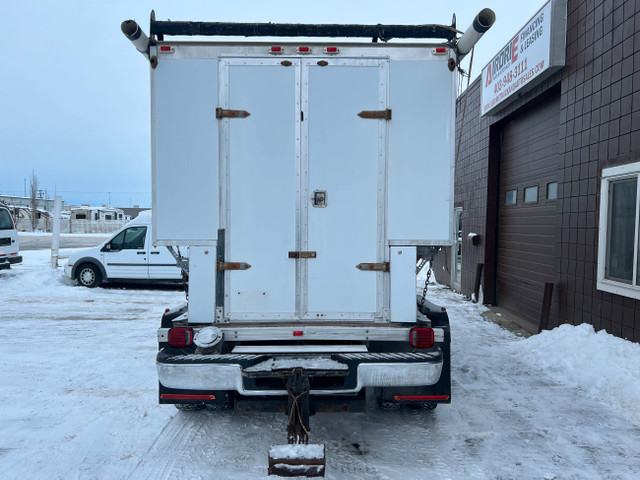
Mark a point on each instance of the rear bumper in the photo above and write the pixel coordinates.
(350, 373)
(6, 262)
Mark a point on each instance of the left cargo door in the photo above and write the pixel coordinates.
(260, 158)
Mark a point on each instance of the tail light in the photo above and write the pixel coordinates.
(180, 337)
(421, 337)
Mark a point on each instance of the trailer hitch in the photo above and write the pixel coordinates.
(298, 458)
(297, 383)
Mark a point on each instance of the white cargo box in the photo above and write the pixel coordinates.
(310, 163)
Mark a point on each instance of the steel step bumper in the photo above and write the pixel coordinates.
(234, 371)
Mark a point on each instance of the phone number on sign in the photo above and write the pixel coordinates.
(510, 76)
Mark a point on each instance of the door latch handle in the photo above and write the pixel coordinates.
(141, 253)
(155, 253)
(303, 254)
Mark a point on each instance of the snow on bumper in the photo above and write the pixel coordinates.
(362, 370)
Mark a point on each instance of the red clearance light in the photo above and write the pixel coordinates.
(439, 50)
(303, 50)
(421, 337)
(166, 310)
(421, 397)
(176, 396)
(166, 49)
(275, 49)
(332, 50)
(180, 337)
(298, 333)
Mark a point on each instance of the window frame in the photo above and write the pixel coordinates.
(524, 194)
(515, 197)
(610, 175)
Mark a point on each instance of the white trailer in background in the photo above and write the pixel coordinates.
(308, 177)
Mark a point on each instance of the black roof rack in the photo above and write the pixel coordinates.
(161, 28)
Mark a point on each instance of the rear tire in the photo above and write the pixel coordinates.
(89, 276)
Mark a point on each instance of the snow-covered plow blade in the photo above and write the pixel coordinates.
(297, 460)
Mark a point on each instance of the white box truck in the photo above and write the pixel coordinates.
(312, 175)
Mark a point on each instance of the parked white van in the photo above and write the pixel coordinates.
(9, 246)
(128, 256)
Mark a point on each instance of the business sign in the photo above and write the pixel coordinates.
(537, 51)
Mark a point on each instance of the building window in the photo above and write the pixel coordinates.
(618, 247)
(552, 191)
(531, 194)
(511, 197)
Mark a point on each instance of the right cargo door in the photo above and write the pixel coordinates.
(341, 217)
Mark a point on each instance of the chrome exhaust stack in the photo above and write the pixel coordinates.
(133, 32)
(481, 23)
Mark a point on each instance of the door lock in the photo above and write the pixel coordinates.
(319, 198)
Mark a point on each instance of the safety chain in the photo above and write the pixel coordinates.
(294, 433)
(426, 283)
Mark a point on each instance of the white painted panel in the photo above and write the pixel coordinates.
(420, 168)
(403, 284)
(343, 161)
(202, 284)
(184, 151)
(262, 189)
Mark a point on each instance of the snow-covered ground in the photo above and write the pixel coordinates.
(78, 400)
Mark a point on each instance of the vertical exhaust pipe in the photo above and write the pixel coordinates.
(133, 32)
(481, 23)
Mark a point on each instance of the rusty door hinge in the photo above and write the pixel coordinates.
(223, 113)
(376, 114)
(232, 266)
(302, 254)
(373, 267)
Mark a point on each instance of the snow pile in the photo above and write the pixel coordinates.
(603, 366)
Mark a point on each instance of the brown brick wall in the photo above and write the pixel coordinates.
(599, 127)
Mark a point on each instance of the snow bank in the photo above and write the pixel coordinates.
(603, 366)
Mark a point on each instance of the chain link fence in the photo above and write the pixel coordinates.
(68, 225)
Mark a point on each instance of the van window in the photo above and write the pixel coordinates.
(6, 223)
(130, 239)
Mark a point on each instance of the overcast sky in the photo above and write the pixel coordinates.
(74, 92)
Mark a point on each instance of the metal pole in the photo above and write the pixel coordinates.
(55, 237)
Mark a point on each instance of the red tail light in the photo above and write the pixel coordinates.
(421, 337)
(180, 337)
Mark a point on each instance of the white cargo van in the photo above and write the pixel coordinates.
(9, 251)
(128, 256)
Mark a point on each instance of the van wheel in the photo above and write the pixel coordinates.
(89, 276)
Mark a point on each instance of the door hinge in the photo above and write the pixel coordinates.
(373, 267)
(376, 114)
(224, 113)
(232, 266)
(302, 254)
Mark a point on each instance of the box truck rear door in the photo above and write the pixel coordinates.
(345, 157)
(260, 156)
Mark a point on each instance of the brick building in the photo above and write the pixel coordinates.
(546, 186)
